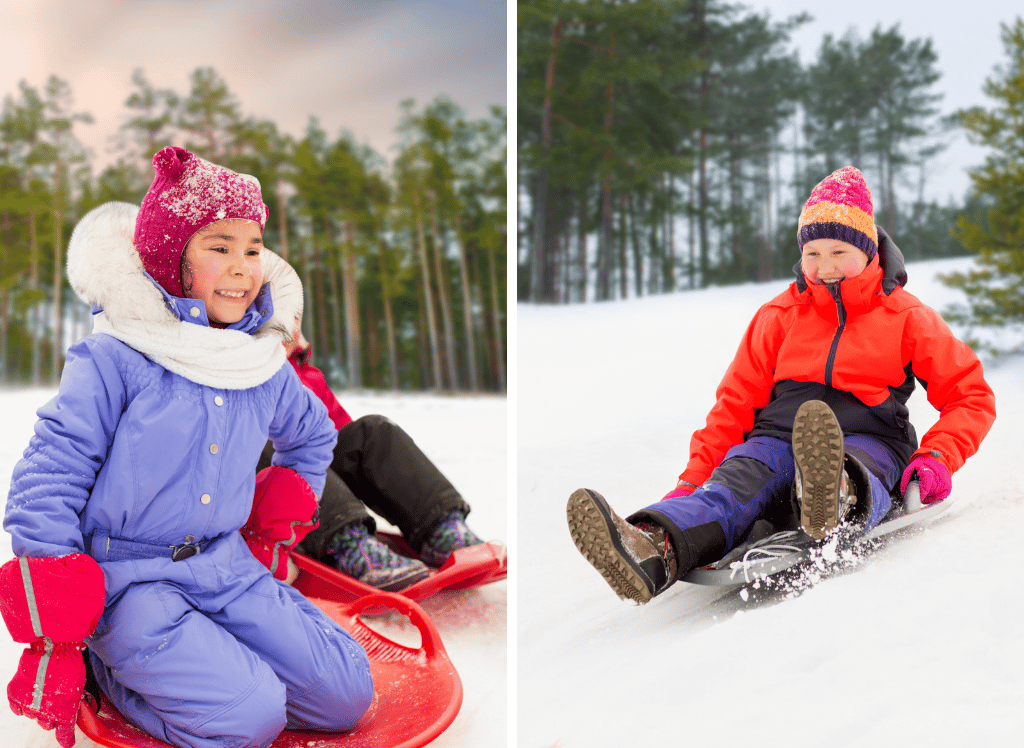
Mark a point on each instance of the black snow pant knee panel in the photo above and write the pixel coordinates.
(745, 477)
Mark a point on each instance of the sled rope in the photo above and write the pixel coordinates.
(777, 548)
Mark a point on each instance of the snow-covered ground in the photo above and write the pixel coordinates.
(923, 645)
(466, 438)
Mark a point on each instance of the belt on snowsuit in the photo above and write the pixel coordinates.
(102, 547)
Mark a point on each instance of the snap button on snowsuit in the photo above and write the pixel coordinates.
(205, 498)
(194, 311)
(213, 449)
(218, 400)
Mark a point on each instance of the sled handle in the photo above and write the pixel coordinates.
(912, 498)
(430, 638)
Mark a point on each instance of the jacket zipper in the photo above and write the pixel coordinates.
(837, 296)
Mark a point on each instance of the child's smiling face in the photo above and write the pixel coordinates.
(222, 268)
(831, 261)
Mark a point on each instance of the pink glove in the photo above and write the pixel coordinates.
(52, 604)
(682, 489)
(284, 511)
(933, 477)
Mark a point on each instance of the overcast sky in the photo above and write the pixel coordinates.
(965, 36)
(350, 62)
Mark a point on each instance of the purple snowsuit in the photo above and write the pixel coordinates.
(130, 459)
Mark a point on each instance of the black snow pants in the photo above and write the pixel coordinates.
(377, 465)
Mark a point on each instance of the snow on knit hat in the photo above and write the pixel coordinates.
(840, 208)
(188, 193)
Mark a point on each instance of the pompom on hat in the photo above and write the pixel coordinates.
(189, 193)
(840, 208)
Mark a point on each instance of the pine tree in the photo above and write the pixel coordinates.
(995, 290)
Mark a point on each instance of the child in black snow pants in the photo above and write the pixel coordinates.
(376, 464)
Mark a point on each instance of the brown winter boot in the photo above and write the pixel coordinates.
(638, 562)
(824, 491)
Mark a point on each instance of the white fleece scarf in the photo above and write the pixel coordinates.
(104, 269)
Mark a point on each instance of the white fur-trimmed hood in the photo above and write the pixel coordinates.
(104, 269)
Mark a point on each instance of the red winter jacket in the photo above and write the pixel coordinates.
(314, 379)
(860, 353)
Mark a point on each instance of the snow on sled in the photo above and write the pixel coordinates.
(417, 692)
(765, 557)
(465, 568)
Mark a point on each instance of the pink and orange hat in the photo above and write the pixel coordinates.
(840, 208)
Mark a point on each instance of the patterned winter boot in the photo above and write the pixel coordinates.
(824, 491)
(448, 536)
(360, 555)
(637, 561)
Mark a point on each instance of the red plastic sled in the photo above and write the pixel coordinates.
(466, 567)
(417, 691)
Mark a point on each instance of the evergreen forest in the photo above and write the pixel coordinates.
(403, 262)
(670, 144)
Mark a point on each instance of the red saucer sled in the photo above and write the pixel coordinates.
(417, 692)
(465, 568)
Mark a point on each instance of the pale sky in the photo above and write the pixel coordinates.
(965, 35)
(350, 62)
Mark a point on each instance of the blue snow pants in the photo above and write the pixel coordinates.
(753, 480)
(221, 655)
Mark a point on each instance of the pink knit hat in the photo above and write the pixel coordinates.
(840, 208)
(187, 194)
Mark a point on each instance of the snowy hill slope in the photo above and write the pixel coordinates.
(466, 438)
(923, 645)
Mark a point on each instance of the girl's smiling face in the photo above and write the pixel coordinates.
(221, 267)
(831, 261)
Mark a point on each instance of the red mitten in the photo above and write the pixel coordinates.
(682, 489)
(933, 478)
(284, 511)
(51, 604)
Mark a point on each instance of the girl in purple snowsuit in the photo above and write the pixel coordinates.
(127, 505)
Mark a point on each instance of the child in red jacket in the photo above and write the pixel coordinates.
(377, 464)
(814, 403)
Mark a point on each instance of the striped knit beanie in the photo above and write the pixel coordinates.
(840, 208)
(188, 193)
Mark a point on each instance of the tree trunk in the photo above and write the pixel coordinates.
(634, 239)
(702, 209)
(33, 283)
(668, 272)
(5, 378)
(282, 222)
(582, 266)
(446, 304)
(319, 306)
(351, 286)
(336, 310)
(499, 349)
(605, 244)
(428, 299)
(389, 317)
(764, 199)
(539, 264)
(467, 307)
(57, 359)
(623, 258)
(691, 236)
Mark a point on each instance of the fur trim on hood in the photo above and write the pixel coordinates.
(104, 269)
